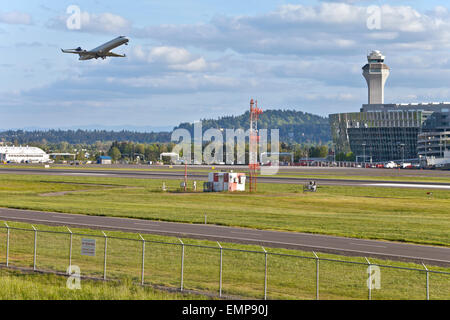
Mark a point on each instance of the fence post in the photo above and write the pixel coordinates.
(182, 264)
(70, 248)
(7, 245)
(317, 275)
(428, 281)
(265, 273)
(104, 259)
(369, 283)
(220, 272)
(143, 260)
(35, 248)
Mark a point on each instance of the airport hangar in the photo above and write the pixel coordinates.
(23, 154)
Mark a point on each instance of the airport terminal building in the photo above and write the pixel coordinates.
(391, 132)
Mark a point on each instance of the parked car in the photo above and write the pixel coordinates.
(390, 165)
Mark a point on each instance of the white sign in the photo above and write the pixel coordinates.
(88, 247)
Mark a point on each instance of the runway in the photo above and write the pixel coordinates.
(430, 255)
(177, 175)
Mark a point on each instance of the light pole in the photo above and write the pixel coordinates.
(402, 145)
(364, 154)
(334, 153)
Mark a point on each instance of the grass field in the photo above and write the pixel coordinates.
(16, 285)
(408, 215)
(289, 277)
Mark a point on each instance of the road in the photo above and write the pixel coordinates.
(431, 255)
(177, 175)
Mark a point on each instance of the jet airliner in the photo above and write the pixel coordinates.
(102, 51)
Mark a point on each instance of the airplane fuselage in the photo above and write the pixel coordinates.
(104, 48)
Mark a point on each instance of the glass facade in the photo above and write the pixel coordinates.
(379, 136)
(388, 132)
(434, 143)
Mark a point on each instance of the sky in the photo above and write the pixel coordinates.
(202, 59)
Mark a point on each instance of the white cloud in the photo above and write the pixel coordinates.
(196, 65)
(104, 22)
(174, 58)
(168, 55)
(324, 29)
(177, 84)
(15, 17)
(95, 23)
(328, 13)
(404, 19)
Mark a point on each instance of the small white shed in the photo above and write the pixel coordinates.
(225, 181)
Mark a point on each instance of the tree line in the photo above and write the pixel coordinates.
(151, 152)
(294, 127)
(85, 137)
(138, 151)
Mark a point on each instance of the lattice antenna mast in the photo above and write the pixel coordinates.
(253, 163)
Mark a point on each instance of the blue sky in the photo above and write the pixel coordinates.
(189, 60)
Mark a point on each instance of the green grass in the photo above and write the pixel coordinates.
(407, 215)
(18, 285)
(243, 272)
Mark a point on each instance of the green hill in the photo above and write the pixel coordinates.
(294, 126)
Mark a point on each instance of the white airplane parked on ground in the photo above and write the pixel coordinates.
(100, 52)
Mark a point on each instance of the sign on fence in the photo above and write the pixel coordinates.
(88, 247)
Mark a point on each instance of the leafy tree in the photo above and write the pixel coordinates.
(115, 153)
(350, 156)
(340, 156)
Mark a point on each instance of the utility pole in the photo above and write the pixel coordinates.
(185, 176)
(402, 146)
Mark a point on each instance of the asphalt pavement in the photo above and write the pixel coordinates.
(431, 255)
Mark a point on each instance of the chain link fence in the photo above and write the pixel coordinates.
(216, 270)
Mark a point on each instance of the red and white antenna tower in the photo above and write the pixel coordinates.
(253, 163)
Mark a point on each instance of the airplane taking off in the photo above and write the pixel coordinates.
(100, 52)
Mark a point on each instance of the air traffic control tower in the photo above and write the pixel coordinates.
(376, 73)
(394, 131)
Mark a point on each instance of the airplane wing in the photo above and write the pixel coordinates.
(112, 54)
(77, 51)
(70, 51)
